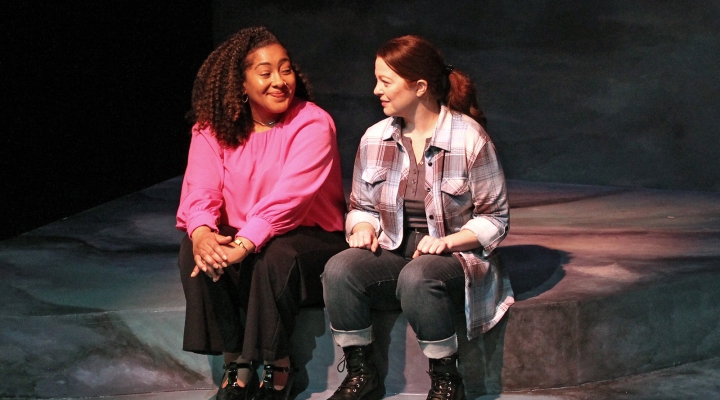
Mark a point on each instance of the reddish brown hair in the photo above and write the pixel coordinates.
(414, 58)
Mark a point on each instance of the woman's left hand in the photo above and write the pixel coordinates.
(235, 254)
(458, 241)
(430, 245)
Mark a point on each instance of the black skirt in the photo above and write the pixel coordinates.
(252, 308)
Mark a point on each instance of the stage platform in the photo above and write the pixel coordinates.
(618, 298)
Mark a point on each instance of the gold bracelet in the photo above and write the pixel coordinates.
(239, 242)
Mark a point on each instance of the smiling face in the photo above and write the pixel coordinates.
(269, 82)
(398, 97)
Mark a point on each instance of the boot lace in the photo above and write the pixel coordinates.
(355, 377)
(342, 364)
(443, 386)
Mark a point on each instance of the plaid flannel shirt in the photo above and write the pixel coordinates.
(465, 190)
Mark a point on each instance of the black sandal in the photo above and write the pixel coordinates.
(233, 391)
(267, 390)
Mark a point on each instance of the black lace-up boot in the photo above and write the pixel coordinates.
(362, 381)
(447, 382)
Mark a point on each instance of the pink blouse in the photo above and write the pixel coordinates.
(278, 180)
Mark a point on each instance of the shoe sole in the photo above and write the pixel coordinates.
(377, 394)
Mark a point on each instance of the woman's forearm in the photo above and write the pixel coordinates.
(461, 241)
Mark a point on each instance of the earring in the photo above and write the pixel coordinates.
(244, 98)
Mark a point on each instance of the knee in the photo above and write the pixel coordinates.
(339, 269)
(334, 268)
(413, 280)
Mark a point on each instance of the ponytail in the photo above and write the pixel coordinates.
(462, 97)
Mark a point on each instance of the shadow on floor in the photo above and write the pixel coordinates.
(530, 266)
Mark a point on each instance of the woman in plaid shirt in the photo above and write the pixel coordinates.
(428, 207)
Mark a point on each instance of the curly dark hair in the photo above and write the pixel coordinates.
(218, 89)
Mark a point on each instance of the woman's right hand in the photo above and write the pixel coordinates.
(208, 253)
(363, 237)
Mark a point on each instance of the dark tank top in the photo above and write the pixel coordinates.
(414, 195)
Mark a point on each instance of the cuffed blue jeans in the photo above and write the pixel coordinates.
(429, 290)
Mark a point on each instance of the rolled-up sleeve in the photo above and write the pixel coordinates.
(490, 218)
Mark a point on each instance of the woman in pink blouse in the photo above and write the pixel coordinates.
(262, 194)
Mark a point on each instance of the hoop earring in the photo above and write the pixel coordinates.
(244, 98)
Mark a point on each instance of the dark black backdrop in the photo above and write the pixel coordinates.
(92, 99)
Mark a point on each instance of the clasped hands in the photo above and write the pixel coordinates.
(364, 237)
(214, 252)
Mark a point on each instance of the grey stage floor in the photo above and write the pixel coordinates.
(91, 306)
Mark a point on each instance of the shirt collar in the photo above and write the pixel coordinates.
(443, 128)
(395, 130)
(440, 139)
